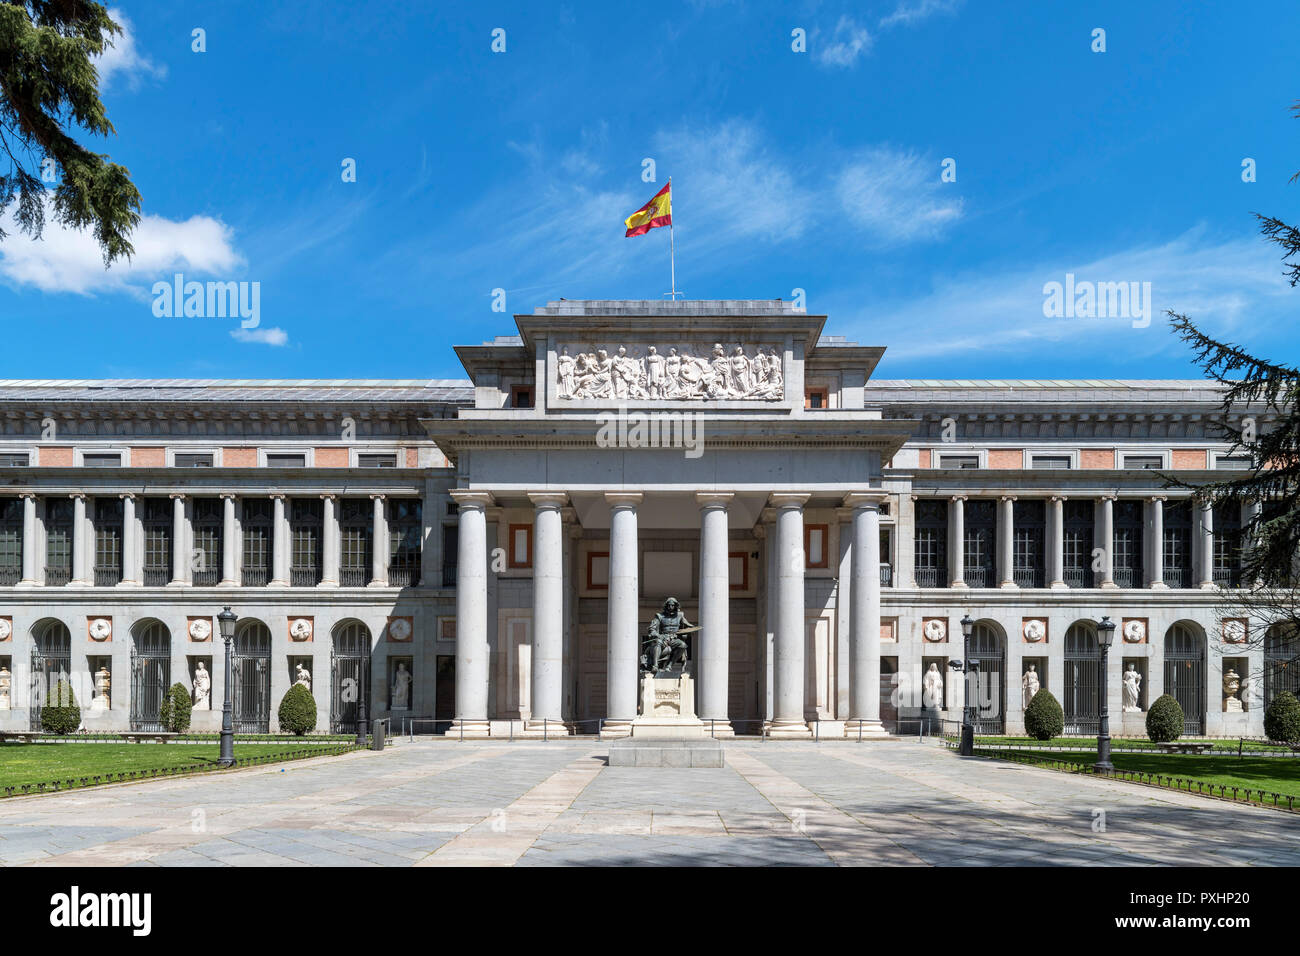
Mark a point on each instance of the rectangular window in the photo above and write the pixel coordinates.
(1234, 463)
(1051, 461)
(194, 460)
(815, 398)
(376, 461)
(305, 522)
(521, 546)
(102, 461)
(286, 461)
(816, 539)
(22, 460)
(959, 461)
(108, 542)
(405, 534)
(450, 549)
(521, 396)
(157, 520)
(259, 515)
(58, 541)
(11, 540)
(209, 526)
(356, 526)
(1146, 462)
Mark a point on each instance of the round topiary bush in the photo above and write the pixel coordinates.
(176, 709)
(297, 711)
(1044, 718)
(60, 713)
(1282, 719)
(1164, 720)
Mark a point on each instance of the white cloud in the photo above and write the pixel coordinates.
(896, 195)
(275, 336)
(69, 260)
(123, 58)
(914, 12)
(849, 42)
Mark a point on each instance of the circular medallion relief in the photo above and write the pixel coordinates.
(101, 629)
(399, 628)
(5, 629)
(1234, 631)
(1035, 630)
(935, 630)
(300, 629)
(1134, 631)
(200, 629)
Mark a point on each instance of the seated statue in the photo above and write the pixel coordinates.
(664, 649)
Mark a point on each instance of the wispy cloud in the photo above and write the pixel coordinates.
(914, 11)
(123, 59)
(274, 336)
(849, 42)
(896, 196)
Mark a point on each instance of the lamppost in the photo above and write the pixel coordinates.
(362, 679)
(966, 666)
(1105, 635)
(226, 622)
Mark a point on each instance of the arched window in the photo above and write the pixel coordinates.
(151, 668)
(1281, 662)
(1185, 673)
(988, 650)
(1082, 679)
(251, 689)
(51, 662)
(350, 674)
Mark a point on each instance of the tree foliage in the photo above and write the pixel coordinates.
(1165, 720)
(1044, 718)
(60, 713)
(297, 711)
(177, 709)
(48, 86)
(1282, 719)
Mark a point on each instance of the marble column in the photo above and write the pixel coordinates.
(329, 556)
(279, 544)
(715, 601)
(79, 563)
(1108, 541)
(623, 634)
(1056, 541)
(1157, 542)
(131, 576)
(548, 616)
(1205, 549)
(379, 545)
(864, 618)
(472, 646)
(29, 542)
(229, 542)
(1006, 541)
(788, 719)
(957, 542)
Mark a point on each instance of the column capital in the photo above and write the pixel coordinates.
(178, 494)
(1107, 497)
(785, 499)
(27, 494)
(228, 496)
(1159, 497)
(465, 498)
(760, 531)
(78, 496)
(548, 499)
(126, 494)
(865, 499)
(376, 497)
(1006, 497)
(713, 499)
(1060, 497)
(624, 499)
(329, 496)
(958, 497)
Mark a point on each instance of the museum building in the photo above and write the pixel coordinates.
(480, 557)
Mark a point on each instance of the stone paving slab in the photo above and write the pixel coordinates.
(533, 803)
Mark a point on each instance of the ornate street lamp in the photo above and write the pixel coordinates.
(1105, 636)
(226, 622)
(967, 667)
(363, 679)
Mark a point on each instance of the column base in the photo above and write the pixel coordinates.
(616, 728)
(26, 583)
(176, 584)
(789, 730)
(1159, 586)
(721, 728)
(957, 584)
(128, 584)
(227, 584)
(1059, 586)
(1009, 585)
(865, 729)
(1108, 584)
(377, 584)
(329, 585)
(468, 728)
(278, 584)
(553, 728)
(1207, 586)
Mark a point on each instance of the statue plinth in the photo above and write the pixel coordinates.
(668, 708)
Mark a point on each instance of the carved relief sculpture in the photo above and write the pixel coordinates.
(932, 688)
(1029, 685)
(100, 628)
(1035, 630)
(647, 375)
(202, 686)
(1132, 690)
(200, 629)
(401, 687)
(935, 629)
(1135, 631)
(6, 628)
(300, 629)
(302, 675)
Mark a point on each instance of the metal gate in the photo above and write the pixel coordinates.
(349, 675)
(51, 663)
(1185, 675)
(990, 692)
(1081, 705)
(250, 662)
(151, 671)
(1281, 669)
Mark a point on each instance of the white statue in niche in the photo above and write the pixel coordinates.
(302, 675)
(1231, 684)
(402, 687)
(932, 688)
(202, 686)
(103, 682)
(1029, 685)
(1132, 690)
(6, 683)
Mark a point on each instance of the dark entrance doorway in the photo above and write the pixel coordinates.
(444, 692)
(250, 661)
(51, 663)
(151, 672)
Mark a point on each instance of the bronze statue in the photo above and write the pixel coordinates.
(664, 648)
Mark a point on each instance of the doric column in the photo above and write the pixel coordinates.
(624, 596)
(229, 542)
(548, 615)
(1006, 541)
(79, 568)
(180, 542)
(788, 718)
(1205, 546)
(329, 572)
(279, 544)
(130, 544)
(1108, 541)
(29, 542)
(472, 648)
(1056, 541)
(1157, 542)
(864, 617)
(957, 542)
(379, 542)
(715, 598)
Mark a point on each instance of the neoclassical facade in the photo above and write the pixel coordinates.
(481, 557)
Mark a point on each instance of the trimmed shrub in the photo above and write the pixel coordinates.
(1282, 719)
(1044, 718)
(176, 708)
(60, 713)
(1164, 720)
(297, 711)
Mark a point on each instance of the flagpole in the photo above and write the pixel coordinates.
(672, 249)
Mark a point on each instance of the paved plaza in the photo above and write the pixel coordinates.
(529, 803)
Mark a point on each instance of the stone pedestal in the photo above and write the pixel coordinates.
(666, 753)
(668, 709)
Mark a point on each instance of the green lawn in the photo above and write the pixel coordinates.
(42, 763)
(1271, 774)
(1222, 744)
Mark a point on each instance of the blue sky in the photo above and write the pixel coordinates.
(817, 170)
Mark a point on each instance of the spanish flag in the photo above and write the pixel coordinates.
(657, 212)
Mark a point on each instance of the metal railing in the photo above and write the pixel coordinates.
(1126, 577)
(448, 575)
(10, 575)
(1029, 576)
(255, 577)
(108, 577)
(57, 577)
(886, 575)
(157, 577)
(403, 577)
(1227, 577)
(1176, 577)
(207, 578)
(354, 577)
(931, 577)
(978, 576)
(1077, 577)
(301, 577)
